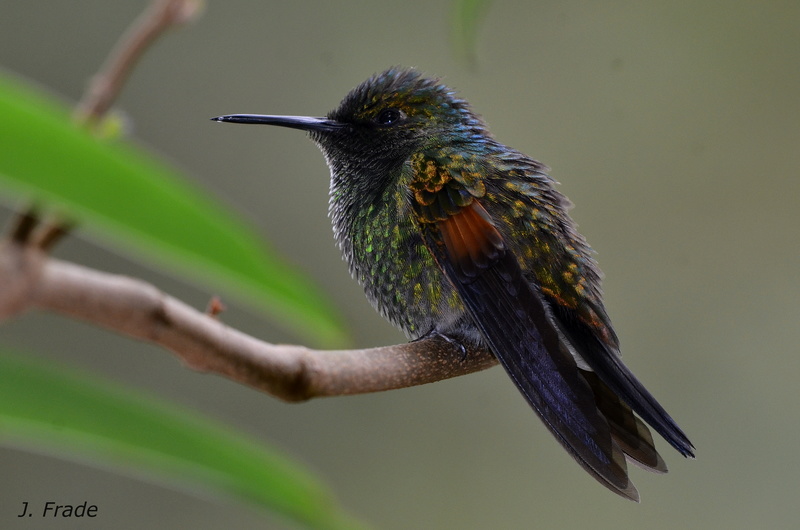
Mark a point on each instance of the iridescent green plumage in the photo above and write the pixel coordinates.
(443, 145)
(452, 233)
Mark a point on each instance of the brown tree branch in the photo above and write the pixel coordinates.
(29, 279)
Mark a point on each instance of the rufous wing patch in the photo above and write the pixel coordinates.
(471, 241)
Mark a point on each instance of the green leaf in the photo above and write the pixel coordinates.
(77, 417)
(467, 16)
(143, 207)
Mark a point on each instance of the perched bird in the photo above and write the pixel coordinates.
(452, 233)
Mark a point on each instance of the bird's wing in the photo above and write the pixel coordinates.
(518, 325)
(603, 358)
(569, 283)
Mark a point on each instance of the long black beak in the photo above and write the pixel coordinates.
(304, 123)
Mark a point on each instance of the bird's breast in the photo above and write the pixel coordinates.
(382, 245)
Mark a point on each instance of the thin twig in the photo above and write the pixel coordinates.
(23, 226)
(52, 233)
(215, 307)
(107, 84)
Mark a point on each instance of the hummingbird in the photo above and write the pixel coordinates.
(453, 234)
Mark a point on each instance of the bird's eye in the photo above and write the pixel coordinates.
(389, 116)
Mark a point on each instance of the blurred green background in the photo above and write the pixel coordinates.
(673, 126)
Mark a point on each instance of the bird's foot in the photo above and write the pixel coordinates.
(455, 342)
